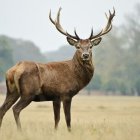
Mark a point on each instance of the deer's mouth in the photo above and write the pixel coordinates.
(85, 59)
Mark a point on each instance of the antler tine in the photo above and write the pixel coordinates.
(57, 22)
(58, 15)
(76, 34)
(91, 35)
(96, 36)
(108, 27)
(74, 37)
(59, 27)
(51, 18)
(109, 23)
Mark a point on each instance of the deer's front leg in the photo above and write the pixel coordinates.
(67, 109)
(56, 109)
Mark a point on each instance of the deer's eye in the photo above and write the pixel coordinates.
(91, 47)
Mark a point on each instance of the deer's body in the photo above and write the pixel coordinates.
(52, 81)
(56, 81)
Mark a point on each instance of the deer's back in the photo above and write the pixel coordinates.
(55, 79)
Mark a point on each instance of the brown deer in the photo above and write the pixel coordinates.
(56, 81)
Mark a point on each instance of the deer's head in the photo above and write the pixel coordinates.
(84, 46)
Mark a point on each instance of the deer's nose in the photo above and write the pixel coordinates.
(85, 55)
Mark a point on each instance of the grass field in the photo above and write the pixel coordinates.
(93, 118)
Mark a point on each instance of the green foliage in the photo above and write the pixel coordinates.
(14, 50)
(111, 85)
(95, 83)
(6, 58)
(137, 85)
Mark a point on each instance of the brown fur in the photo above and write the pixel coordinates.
(56, 81)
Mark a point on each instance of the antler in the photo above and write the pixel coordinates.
(59, 27)
(107, 28)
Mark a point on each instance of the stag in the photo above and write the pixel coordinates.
(56, 81)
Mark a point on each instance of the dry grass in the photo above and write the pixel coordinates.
(93, 118)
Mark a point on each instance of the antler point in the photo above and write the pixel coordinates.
(60, 9)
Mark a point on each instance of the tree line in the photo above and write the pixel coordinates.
(118, 60)
(117, 66)
(15, 50)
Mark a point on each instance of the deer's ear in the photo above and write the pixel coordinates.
(71, 41)
(96, 41)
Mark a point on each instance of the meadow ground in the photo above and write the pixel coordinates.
(93, 118)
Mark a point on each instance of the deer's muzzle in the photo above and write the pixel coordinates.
(85, 56)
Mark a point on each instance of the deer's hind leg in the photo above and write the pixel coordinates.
(11, 98)
(21, 104)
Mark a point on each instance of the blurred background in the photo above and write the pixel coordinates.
(27, 34)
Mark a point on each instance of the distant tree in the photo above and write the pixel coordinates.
(137, 85)
(15, 50)
(6, 58)
(95, 84)
(111, 85)
(132, 32)
(110, 60)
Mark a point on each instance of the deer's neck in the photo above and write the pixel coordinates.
(83, 69)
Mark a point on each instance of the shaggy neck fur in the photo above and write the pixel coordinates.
(84, 70)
